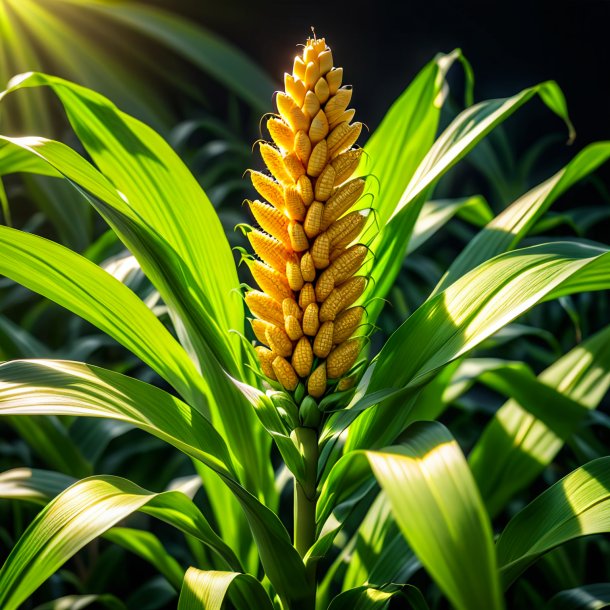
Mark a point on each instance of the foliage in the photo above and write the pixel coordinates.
(394, 491)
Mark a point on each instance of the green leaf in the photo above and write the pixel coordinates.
(86, 289)
(527, 432)
(434, 214)
(470, 310)
(207, 590)
(143, 178)
(437, 506)
(33, 484)
(576, 506)
(33, 387)
(507, 229)
(472, 125)
(588, 597)
(81, 513)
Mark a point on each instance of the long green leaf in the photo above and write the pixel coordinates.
(71, 388)
(208, 590)
(525, 434)
(196, 277)
(588, 597)
(578, 505)
(458, 319)
(80, 514)
(86, 289)
(507, 229)
(472, 125)
(437, 506)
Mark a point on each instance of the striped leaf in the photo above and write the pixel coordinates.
(208, 590)
(578, 505)
(472, 309)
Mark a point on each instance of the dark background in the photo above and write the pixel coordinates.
(383, 44)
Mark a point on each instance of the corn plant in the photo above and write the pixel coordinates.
(380, 488)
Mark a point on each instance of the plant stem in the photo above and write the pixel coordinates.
(305, 494)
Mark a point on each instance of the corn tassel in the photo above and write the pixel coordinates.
(308, 263)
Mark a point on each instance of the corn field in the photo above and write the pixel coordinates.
(265, 357)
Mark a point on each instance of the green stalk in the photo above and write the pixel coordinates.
(305, 495)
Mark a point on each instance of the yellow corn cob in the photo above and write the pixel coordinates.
(291, 113)
(323, 342)
(319, 127)
(306, 296)
(307, 263)
(311, 322)
(266, 358)
(342, 358)
(346, 229)
(320, 251)
(291, 308)
(311, 105)
(325, 183)
(322, 91)
(302, 357)
(280, 133)
(294, 275)
(271, 220)
(285, 373)
(278, 340)
(308, 269)
(337, 105)
(298, 239)
(275, 163)
(293, 328)
(349, 139)
(295, 208)
(334, 78)
(305, 189)
(348, 263)
(341, 201)
(316, 384)
(265, 307)
(302, 146)
(270, 281)
(294, 88)
(345, 117)
(269, 249)
(317, 160)
(346, 323)
(345, 164)
(313, 220)
(259, 328)
(324, 286)
(293, 166)
(268, 188)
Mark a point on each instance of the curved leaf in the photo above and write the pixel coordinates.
(507, 229)
(437, 506)
(72, 388)
(81, 513)
(86, 289)
(527, 432)
(578, 505)
(471, 126)
(207, 590)
(469, 311)
(589, 597)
